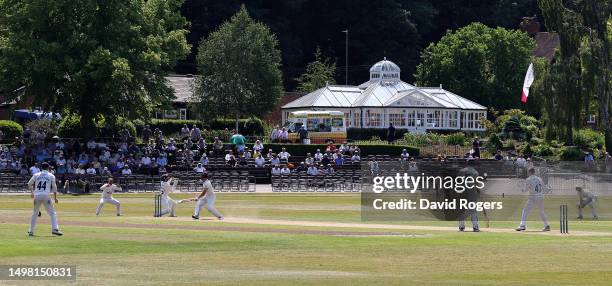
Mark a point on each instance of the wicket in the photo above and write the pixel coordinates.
(158, 206)
(563, 221)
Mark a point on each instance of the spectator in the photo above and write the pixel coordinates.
(270, 154)
(238, 141)
(258, 147)
(242, 161)
(476, 148)
(204, 160)
(405, 156)
(195, 134)
(339, 160)
(274, 161)
(391, 133)
(218, 146)
(146, 134)
(301, 168)
(344, 148)
(80, 170)
(313, 170)
(285, 170)
(202, 145)
(498, 156)
(304, 137)
(162, 160)
(91, 170)
(356, 158)
(185, 132)
(275, 170)
(259, 161)
(284, 155)
(275, 135)
(309, 159)
(106, 172)
(326, 160)
(125, 135)
(412, 166)
(199, 168)
(284, 135)
(126, 171)
(34, 169)
(331, 147)
(589, 160)
(318, 156)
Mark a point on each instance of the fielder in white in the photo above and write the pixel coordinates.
(168, 185)
(586, 198)
(206, 198)
(42, 184)
(107, 196)
(535, 186)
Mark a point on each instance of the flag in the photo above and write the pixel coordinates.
(527, 83)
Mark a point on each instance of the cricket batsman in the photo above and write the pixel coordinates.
(107, 196)
(535, 186)
(41, 184)
(206, 198)
(168, 185)
(586, 198)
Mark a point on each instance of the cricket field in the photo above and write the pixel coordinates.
(294, 239)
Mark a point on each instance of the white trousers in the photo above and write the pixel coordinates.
(209, 203)
(591, 203)
(168, 206)
(43, 199)
(531, 202)
(110, 200)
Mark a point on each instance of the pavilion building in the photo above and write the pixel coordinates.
(385, 99)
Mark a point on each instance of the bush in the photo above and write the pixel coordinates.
(495, 142)
(589, 139)
(46, 126)
(420, 139)
(572, 154)
(10, 129)
(70, 127)
(544, 150)
(455, 139)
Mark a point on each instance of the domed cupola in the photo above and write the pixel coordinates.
(385, 70)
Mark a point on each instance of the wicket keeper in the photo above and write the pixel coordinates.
(586, 198)
(168, 204)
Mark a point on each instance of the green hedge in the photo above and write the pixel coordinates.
(10, 129)
(301, 150)
(249, 127)
(70, 127)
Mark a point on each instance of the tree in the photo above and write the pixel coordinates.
(96, 60)
(480, 63)
(239, 67)
(582, 70)
(318, 73)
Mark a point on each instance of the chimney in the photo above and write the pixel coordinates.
(530, 25)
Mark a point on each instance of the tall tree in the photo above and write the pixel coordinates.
(239, 67)
(582, 66)
(92, 58)
(480, 63)
(318, 73)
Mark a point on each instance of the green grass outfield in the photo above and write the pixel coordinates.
(297, 239)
